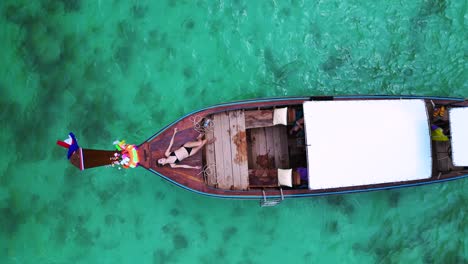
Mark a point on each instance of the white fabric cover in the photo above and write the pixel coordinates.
(285, 177)
(459, 131)
(366, 142)
(280, 116)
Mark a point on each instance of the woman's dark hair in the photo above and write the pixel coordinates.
(159, 164)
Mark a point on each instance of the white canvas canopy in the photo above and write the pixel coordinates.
(459, 132)
(366, 142)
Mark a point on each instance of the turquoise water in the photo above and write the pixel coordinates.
(124, 69)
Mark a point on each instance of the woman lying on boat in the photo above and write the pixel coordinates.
(185, 151)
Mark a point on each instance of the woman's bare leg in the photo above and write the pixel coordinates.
(197, 148)
(197, 145)
(194, 144)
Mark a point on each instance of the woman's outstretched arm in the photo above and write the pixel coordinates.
(168, 151)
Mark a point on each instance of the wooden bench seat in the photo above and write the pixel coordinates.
(258, 118)
(264, 118)
(264, 178)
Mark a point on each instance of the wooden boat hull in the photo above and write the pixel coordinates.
(91, 158)
(194, 180)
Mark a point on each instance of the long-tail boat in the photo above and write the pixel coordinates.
(276, 148)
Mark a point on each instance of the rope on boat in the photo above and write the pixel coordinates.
(208, 169)
(202, 127)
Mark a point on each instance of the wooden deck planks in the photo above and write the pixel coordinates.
(242, 152)
(282, 153)
(223, 151)
(259, 150)
(239, 150)
(284, 150)
(218, 145)
(250, 142)
(229, 151)
(210, 159)
(234, 129)
(270, 147)
(269, 151)
(277, 143)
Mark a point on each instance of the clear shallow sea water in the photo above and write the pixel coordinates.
(124, 69)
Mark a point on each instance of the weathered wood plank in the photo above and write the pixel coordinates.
(250, 143)
(259, 148)
(226, 156)
(284, 152)
(270, 147)
(241, 144)
(234, 129)
(277, 143)
(258, 118)
(210, 159)
(253, 147)
(219, 151)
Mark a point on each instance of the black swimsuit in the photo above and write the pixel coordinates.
(189, 150)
